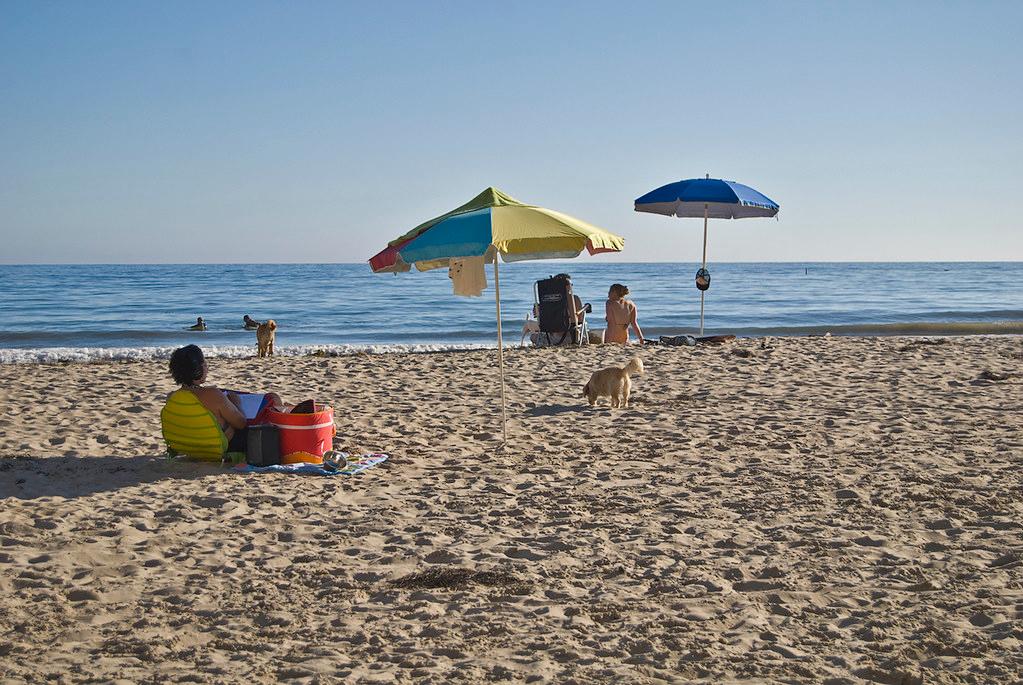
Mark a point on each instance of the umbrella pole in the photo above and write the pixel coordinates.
(704, 264)
(500, 346)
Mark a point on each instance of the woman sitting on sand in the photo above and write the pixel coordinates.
(620, 315)
(189, 369)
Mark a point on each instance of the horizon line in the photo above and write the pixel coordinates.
(549, 261)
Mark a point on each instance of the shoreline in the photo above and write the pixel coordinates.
(66, 355)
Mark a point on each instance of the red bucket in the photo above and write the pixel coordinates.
(304, 437)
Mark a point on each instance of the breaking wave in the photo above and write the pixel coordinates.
(56, 355)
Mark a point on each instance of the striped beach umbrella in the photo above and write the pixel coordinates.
(711, 198)
(495, 220)
(493, 224)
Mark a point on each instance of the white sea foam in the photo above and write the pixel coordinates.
(54, 355)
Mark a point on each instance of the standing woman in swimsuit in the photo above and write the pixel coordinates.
(620, 315)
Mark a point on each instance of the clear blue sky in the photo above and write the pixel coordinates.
(306, 131)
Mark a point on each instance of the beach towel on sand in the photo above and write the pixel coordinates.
(355, 465)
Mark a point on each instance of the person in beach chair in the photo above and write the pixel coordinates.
(561, 315)
(200, 421)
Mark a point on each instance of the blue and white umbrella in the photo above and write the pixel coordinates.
(711, 198)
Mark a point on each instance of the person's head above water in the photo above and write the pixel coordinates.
(188, 365)
(617, 291)
(247, 319)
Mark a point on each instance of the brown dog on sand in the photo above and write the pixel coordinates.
(265, 338)
(613, 383)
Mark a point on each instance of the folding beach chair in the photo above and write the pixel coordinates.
(555, 310)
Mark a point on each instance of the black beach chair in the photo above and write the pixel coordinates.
(555, 313)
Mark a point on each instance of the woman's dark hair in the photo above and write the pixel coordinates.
(186, 364)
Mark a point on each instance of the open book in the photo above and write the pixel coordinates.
(251, 403)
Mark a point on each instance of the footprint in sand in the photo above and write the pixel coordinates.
(868, 541)
(82, 596)
(520, 553)
(441, 556)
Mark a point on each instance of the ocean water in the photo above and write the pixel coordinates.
(84, 312)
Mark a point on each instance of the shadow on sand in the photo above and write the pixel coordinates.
(71, 477)
(555, 409)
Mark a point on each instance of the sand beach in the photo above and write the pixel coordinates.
(801, 510)
(830, 493)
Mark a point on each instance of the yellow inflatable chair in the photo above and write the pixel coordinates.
(190, 429)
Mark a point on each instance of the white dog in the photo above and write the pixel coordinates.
(530, 327)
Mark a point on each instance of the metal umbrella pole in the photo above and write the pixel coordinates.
(500, 345)
(702, 292)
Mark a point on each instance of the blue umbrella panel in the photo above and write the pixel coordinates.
(710, 197)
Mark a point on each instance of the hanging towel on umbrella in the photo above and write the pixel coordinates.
(468, 277)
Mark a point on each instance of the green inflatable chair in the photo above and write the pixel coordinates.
(189, 429)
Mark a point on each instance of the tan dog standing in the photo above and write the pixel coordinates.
(265, 334)
(613, 383)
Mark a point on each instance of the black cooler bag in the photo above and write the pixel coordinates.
(264, 445)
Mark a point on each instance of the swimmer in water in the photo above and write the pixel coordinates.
(250, 323)
(200, 325)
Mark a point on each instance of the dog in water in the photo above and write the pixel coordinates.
(265, 333)
(614, 383)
